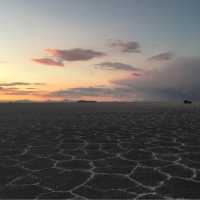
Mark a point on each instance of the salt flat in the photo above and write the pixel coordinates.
(99, 151)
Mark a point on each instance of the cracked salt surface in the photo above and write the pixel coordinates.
(135, 152)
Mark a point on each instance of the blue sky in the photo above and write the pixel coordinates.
(154, 22)
(28, 27)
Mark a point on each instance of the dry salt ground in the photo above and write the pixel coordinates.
(100, 151)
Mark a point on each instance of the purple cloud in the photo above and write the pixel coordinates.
(162, 57)
(125, 46)
(76, 54)
(116, 66)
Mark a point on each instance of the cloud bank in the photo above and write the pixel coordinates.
(81, 92)
(176, 80)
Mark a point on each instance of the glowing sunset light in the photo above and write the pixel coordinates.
(133, 50)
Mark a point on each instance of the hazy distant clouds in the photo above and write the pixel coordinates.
(80, 92)
(20, 89)
(83, 91)
(165, 56)
(125, 46)
(19, 84)
(116, 66)
(177, 80)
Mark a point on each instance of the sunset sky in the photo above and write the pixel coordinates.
(121, 50)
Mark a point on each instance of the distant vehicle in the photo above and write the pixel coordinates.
(187, 102)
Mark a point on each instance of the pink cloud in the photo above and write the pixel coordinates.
(48, 61)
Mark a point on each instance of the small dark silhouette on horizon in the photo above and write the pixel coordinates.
(85, 101)
(187, 102)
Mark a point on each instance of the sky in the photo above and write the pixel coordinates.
(108, 50)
